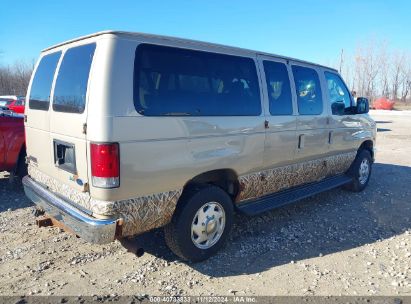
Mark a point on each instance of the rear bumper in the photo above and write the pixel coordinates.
(93, 230)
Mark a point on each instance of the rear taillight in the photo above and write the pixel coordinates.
(105, 165)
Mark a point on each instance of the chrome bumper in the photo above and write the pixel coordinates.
(93, 230)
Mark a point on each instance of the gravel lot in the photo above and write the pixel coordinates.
(335, 243)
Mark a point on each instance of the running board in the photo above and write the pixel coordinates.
(292, 195)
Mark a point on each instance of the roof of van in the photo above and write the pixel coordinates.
(203, 43)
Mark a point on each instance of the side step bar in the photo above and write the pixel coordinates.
(292, 195)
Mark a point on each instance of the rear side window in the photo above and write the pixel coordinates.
(172, 81)
(41, 86)
(278, 87)
(71, 84)
(308, 90)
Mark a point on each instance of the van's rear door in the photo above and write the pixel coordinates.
(56, 135)
(37, 121)
(68, 116)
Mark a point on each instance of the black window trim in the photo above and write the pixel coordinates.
(346, 87)
(314, 68)
(135, 92)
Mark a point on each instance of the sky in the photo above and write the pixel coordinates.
(312, 30)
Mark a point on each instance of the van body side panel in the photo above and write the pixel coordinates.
(226, 142)
(162, 158)
(280, 178)
(313, 131)
(348, 132)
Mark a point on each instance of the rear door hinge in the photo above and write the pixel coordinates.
(84, 128)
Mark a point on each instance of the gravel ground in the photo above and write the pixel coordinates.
(335, 243)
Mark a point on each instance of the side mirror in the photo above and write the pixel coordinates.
(338, 107)
(363, 106)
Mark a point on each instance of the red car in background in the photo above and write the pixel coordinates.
(12, 143)
(13, 103)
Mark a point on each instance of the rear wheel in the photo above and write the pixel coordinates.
(19, 171)
(201, 223)
(360, 171)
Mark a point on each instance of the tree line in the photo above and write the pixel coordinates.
(375, 70)
(15, 78)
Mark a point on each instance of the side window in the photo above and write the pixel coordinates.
(278, 87)
(173, 81)
(41, 86)
(338, 94)
(308, 90)
(71, 84)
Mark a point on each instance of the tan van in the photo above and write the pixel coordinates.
(128, 132)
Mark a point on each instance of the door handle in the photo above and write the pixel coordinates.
(330, 137)
(301, 140)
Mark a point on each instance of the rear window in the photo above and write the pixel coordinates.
(41, 86)
(71, 84)
(173, 81)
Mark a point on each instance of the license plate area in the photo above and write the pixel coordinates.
(65, 156)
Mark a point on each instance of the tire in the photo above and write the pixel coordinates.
(360, 171)
(19, 171)
(194, 205)
(21, 168)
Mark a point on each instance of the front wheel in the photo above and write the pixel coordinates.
(360, 171)
(201, 223)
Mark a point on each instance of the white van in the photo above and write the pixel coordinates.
(127, 132)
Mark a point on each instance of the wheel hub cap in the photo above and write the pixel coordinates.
(211, 226)
(364, 171)
(208, 225)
